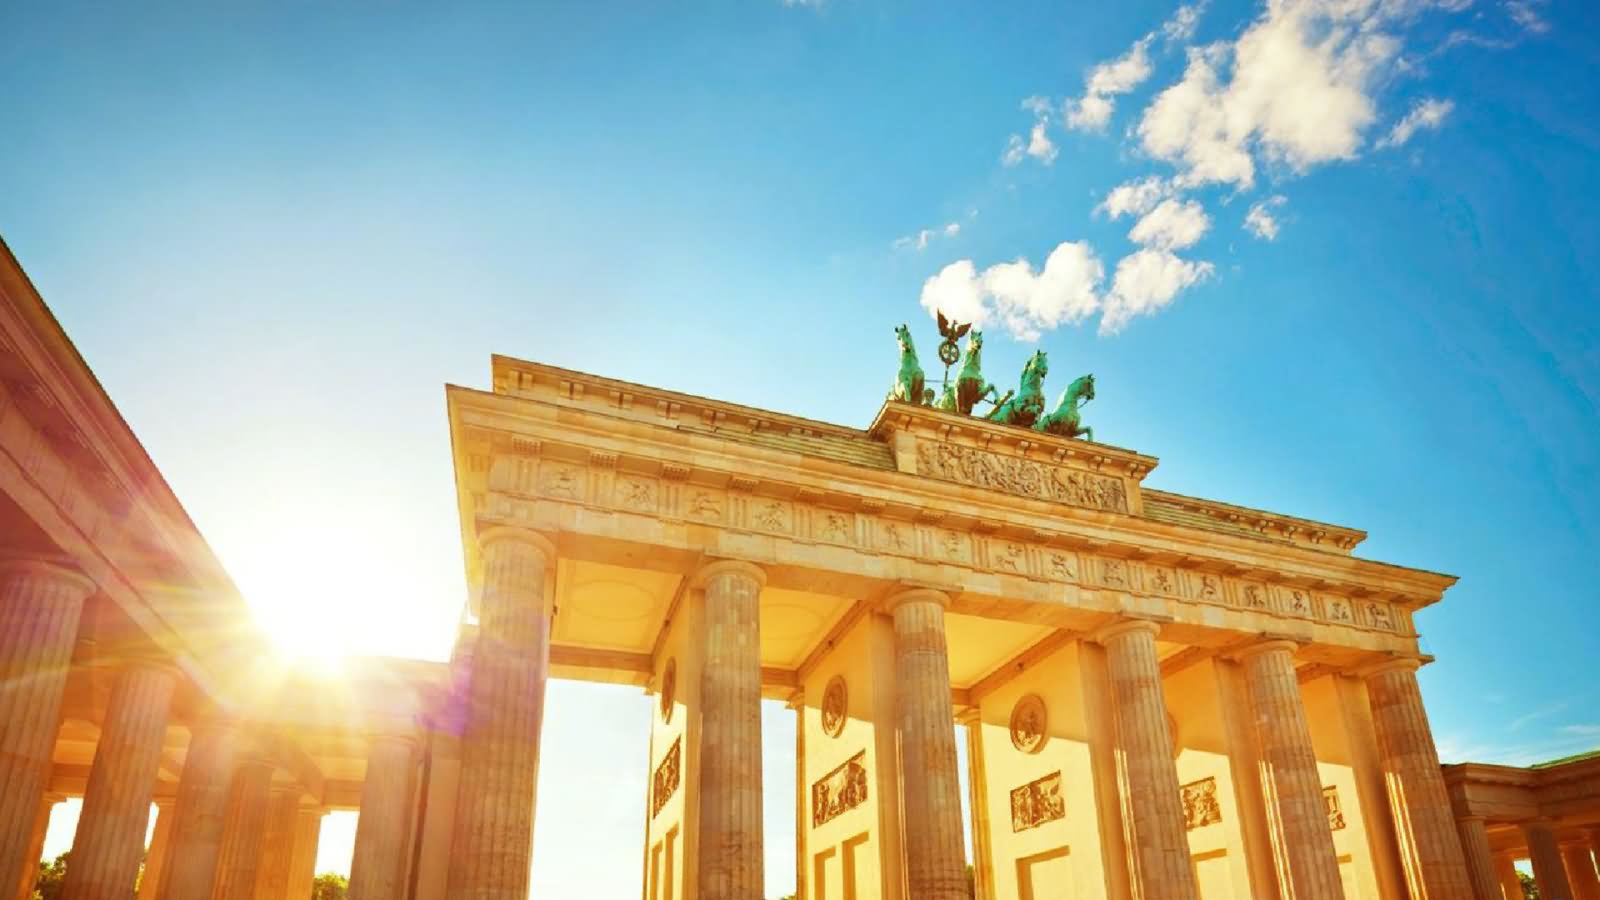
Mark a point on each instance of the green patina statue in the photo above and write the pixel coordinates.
(970, 386)
(1064, 419)
(1028, 404)
(1023, 407)
(908, 382)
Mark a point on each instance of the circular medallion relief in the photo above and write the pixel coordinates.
(1028, 723)
(669, 689)
(835, 706)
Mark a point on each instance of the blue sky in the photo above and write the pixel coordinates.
(276, 230)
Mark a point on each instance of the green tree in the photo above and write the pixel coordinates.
(51, 874)
(1530, 890)
(330, 886)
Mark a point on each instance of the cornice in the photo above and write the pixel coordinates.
(562, 432)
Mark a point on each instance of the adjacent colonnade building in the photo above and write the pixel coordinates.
(1162, 696)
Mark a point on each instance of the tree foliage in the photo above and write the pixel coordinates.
(51, 875)
(330, 886)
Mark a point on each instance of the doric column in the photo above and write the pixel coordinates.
(40, 604)
(1548, 872)
(379, 868)
(155, 856)
(730, 732)
(801, 802)
(493, 840)
(935, 853)
(978, 803)
(277, 841)
(116, 802)
(1159, 844)
(1424, 822)
(1580, 871)
(1480, 860)
(244, 826)
(1505, 872)
(41, 824)
(303, 870)
(201, 809)
(1308, 866)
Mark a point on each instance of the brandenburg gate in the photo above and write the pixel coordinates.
(1160, 696)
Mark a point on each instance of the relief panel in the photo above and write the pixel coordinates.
(1253, 595)
(1330, 800)
(637, 493)
(1022, 477)
(1037, 802)
(833, 526)
(1200, 806)
(895, 537)
(705, 504)
(665, 782)
(563, 481)
(839, 791)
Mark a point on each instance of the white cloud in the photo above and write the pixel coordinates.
(1038, 144)
(1526, 14)
(1092, 111)
(1136, 197)
(921, 239)
(1182, 25)
(1261, 221)
(1427, 114)
(1294, 89)
(1173, 225)
(1147, 281)
(1024, 301)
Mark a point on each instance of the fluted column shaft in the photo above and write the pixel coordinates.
(493, 841)
(155, 857)
(1308, 866)
(1548, 872)
(1580, 871)
(40, 604)
(116, 802)
(277, 842)
(1505, 872)
(303, 871)
(245, 825)
(190, 871)
(1159, 844)
(730, 822)
(379, 868)
(1480, 859)
(1424, 821)
(930, 782)
(41, 825)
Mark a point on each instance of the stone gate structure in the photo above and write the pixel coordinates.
(1160, 696)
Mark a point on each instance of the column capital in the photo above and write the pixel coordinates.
(491, 534)
(1122, 626)
(710, 570)
(48, 565)
(1267, 645)
(1385, 666)
(916, 595)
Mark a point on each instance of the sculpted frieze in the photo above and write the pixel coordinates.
(1022, 477)
(839, 791)
(930, 538)
(1037, 802)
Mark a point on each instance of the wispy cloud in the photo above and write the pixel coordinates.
(1025, 301)
(1261, 220)
(920, 240)
(1038, 144)
(1427, 114)
(1113, 78)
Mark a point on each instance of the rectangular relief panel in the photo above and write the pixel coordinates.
(1046, 876)
(839, 791)
(1200, 806)
(1037, 802)
(665, 782)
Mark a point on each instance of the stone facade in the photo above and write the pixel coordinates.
(1162, 696)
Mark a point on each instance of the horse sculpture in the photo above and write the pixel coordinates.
(908, 382)
(1064, 419)
(1028, 404)
(970, 386)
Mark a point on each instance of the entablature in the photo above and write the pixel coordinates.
(537, 451)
